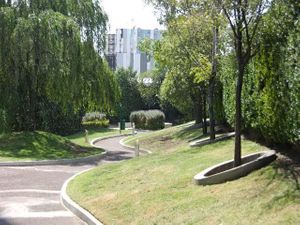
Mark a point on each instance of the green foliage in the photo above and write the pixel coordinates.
(94, 120)
(150, 92)
(93, 116)
(49, 59)
(150, 120)
(271, 99)
(131, 98)
(96, 124)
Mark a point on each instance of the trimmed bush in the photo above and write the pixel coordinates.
(93, 116)
(150, 120)
(94, 120)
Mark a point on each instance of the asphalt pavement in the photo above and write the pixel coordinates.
(31, 195)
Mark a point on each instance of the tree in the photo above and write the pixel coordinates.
(186, 73)
(207, 11)
(131, 99)
(244, 18)
(50, 54)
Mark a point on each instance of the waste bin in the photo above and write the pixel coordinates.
(122, 124)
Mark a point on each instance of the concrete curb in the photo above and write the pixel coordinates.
(64, 161)
(72, 206)
(225, 171)
(206, 141)
(131, 148)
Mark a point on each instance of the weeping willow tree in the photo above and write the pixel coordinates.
(50, 54)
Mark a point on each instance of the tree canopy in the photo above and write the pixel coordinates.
(51, 54)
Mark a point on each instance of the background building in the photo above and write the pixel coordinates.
(110, 51)
(122, 49)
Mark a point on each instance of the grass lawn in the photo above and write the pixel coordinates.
(158, 188)
(42, 145)
(79, 139)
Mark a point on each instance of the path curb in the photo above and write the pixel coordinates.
(64, 161)
(145, 151)
(72, 206)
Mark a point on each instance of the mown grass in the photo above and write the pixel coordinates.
(79, 138)
(158, 188)
(41, 146)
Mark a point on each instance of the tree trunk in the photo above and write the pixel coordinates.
(238, 102)
(204, 115)
(212, 84)
(238, 119)
(198, 113)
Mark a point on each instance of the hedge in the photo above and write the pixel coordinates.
(149, 120)
(94, 120)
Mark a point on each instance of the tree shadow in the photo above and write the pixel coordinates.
(5, 222)
(286, 169)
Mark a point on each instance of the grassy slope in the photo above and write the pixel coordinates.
(158, 188)
(39, 146)
(80, 140)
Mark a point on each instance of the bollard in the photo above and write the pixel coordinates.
(133, 128)
(137, 148)
(86, 136)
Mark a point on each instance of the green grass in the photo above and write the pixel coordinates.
(41, 146)
(158, 188)
(104, 132)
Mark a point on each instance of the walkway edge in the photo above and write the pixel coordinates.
(129, 147)
(72, 206)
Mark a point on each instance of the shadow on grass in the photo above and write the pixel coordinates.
(287, 170)
(5, 222)
(190, 132)
(41, 146)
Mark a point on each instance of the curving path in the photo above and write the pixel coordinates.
(31, 195)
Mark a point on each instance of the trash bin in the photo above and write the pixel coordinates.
(122, 124)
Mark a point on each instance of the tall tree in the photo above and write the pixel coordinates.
(51, 53)
(203, 10)
(244, 17)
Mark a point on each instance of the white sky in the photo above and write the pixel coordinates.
(129, 13)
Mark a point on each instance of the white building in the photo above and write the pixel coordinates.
(126, 48)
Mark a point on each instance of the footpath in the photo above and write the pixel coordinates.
(31, 195)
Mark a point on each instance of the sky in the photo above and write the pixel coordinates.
(129, 13)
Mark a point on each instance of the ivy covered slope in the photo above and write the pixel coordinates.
(158, 188)
(51, 68)
(40, 145)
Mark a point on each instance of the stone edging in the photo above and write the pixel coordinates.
(63, 161)
(206, 141)
(131, 148)
(73, 206)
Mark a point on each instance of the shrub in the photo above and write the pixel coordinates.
(94, 116)
(139, 119)
(92, 125)
(94, 120)
(151, 119)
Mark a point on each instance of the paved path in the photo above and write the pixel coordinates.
(31, 195)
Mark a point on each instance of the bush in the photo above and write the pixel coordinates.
(94, 116)
(92, 125)
(151, 119)
(94, 120)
